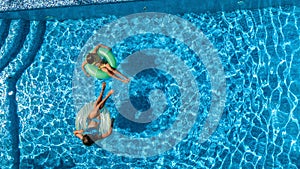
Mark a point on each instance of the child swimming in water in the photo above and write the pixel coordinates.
(90, 135)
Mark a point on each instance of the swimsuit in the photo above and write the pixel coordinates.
(93, 130)
(101, 66)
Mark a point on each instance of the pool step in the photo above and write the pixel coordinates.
(14, 42)
(22, 42)
(5, 24)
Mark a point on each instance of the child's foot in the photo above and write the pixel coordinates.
(110, 92)
(125, 81)
(112, 122)
(103, 84)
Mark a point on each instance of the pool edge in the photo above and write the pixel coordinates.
(129, 7)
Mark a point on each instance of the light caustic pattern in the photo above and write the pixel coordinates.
(173, 27)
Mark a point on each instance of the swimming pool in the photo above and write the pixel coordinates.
(259, 126)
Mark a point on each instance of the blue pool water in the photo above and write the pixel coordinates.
(259, 126)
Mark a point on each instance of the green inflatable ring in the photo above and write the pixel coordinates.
(95, 71)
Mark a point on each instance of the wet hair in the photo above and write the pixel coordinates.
(86, 140)
(91, 57)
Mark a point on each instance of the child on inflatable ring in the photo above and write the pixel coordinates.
(94, 59)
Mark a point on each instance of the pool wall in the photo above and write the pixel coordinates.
(79, 9)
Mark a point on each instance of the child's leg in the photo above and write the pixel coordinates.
(111, 74)
(114, 70)
(99, 99)
(93, 114)
(102, 103)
